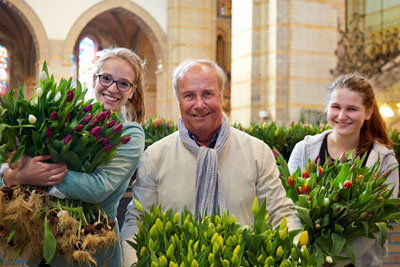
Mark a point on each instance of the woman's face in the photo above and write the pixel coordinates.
(116, 69)
(346, 112)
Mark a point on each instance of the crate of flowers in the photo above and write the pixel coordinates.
(56, 121)
(181, 239)
(339, 202)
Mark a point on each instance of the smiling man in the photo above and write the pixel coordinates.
(207, 163)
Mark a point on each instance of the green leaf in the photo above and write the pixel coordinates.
(49, 245)
(72, 160)
(304, 215)
(383, 231)
(18, 154)
(55, 156)
(338, 243)
(37, 139)
(12, 233)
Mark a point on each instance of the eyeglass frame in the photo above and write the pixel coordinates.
(114, 81)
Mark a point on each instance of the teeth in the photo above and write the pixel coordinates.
(110, 98)
(200, 116)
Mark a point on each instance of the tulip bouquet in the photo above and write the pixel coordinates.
(168, 239)
(157, 128)
(339, 202)
(58, 122)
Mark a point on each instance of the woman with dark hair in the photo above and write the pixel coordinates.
(118, 84)
(357, 126)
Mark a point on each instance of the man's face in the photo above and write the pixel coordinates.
(200, 102)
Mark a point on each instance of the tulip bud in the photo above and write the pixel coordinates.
(139, 206)
(283, 234)
(78, 102)
(175, 220)
(94, 122)
(68, 117)
(79, 127)
(88, 108)
(306, 188)
(117, 128)
(39, 91)
(294, 254)
(279, 252)
(32, 119)
(163, 261)
(108, 114)
(96, 131)
(303, 238)
(328, 259)
(347, 184)
(49, 132)
(320, 170)
(67, 139)
(225, 263)
(316, 159)
(326, 202)
(154, 264)
(142, 251)
(54, 115)
(290, 181)
(111, 123)
(210, 258)
(255, 207)
(108, 147)
(43, 76)
(57, 97)
(305, 174)
(386, 173)
(105, 141)
(276, 154)
(101, 116)
(87, 118)
(167, 125)
(283, 224)
(70, 96)
(306, 254)
(125, 139)
(299, 190)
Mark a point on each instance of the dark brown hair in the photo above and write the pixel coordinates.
(373, 129)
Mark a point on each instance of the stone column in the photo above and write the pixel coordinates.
(191, 35)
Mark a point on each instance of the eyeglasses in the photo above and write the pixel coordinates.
(107, 81)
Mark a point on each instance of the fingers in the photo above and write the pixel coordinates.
(42, 158)
(57, 178)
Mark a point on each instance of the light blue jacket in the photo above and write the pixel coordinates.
(105, 186)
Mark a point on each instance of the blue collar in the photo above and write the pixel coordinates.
(213, 139)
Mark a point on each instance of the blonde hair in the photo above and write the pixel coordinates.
(133, 110)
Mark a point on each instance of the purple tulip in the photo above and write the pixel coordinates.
(68, 117)
(101, 116)
(105, 141)
(125, 139)
(316, 159)
(98, 136)
(54, 116)
(96, 131)
(87, 118)
(70, 96)
(79, 127)
(94, 122)
(67, 139)
(168, 125)
(49, 132)
(108, 147)
(88, 108)
(111, 123)
(117, 128)
(276, 154)
(108, 114)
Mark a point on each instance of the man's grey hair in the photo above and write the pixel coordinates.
(184, 66)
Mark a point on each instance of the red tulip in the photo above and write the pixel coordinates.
(320, 170)
(347, 184)
(299, 190)
(79, 127)
(290, 181)
(306, 188)
(88, 108)
(54, 115)
(305, 174)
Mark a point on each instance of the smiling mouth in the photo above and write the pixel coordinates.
(200, 115)
(110, 98)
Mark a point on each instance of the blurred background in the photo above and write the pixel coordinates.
(280, 56)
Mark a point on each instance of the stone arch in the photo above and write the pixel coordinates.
(33, 22)
(143, 18)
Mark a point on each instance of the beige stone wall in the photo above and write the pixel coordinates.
(282, 53)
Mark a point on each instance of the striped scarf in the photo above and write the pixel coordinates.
(209, 186)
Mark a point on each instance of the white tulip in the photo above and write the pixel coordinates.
(78, 102)
(39, 91)
(32, 119)
(328, 259)
(58, 96)
(48, 94)
(43, 76)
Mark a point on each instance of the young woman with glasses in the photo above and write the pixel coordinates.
(118, 84)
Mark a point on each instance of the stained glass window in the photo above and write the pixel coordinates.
(3, 69)
(225, 8)
(87, 61)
